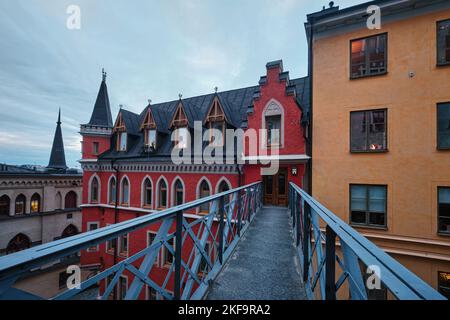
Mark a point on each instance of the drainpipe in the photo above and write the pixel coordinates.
(311, 96)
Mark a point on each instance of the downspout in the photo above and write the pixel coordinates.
(311, 96)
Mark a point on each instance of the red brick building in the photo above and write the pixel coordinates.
(129, 171)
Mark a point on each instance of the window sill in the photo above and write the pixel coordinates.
(123, 254)
(368, 76)
(443, 148)
(371, 151)
(443, 234)
(364, 226)
(442, 65)
(147, 207)
(124, 205)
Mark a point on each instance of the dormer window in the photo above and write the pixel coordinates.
(149, 129)
(215, 120)
(123, 141)
(121, 131)
(180, 125)
(182, 136)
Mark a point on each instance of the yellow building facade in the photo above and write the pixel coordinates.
(377, 162)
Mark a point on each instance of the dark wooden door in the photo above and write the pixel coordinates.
(275, 189)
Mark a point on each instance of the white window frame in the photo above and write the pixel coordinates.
(157, 260)
(97, 247)
(123, 253)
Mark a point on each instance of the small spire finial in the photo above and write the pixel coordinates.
(180, 96)
(149, 101)
(59, 116)
(216, 88)
(103, 74)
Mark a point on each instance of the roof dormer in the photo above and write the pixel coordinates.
(216, 120)
(179, 119)
(149, 128)
(121, 133)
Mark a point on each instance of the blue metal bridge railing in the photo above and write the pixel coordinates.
(328, 247)
(193, 267)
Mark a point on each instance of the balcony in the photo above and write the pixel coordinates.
(239, 250)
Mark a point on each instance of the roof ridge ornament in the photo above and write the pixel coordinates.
(104, 74)
(216, 88)
(180, 95)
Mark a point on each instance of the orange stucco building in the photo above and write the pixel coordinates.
(380, 155)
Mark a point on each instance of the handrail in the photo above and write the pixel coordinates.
(13, 265)
(306, 211)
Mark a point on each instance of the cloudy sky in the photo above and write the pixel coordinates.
(150, 50)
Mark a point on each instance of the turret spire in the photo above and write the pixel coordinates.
(101, 115)
(57, 156)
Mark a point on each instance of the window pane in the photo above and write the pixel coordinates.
(152, 138)
(443, 114)
(377, 130)
(444, 284)
(377, 218)
(358, 131)
(368, 56)
(444, 210)
(358, 217)
(123, 141)
(358, 198)
(273, 125)
(377, 199)
(443, 42)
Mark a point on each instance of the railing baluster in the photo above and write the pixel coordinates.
(330, 267)
(306, 236)
(221, 229)
(178, 257)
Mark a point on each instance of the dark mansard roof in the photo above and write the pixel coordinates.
(235, 103)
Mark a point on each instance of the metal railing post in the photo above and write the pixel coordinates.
(306, 236)
(249, 203)
(297, 211)
(330, 266)
(221, 229)
(239, 214)
(178, 249)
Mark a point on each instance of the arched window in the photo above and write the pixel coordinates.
(94, 190)
(162, 194)
(20, 204)
(4, 205)
(69, 231)
(273, 122)
(112, 190)
(204, 191)
(178, 193)
(58, 201)
(223, 187)
(148, 192)
(18, 243)
(35, 205)
(70, 202)
(125, 195)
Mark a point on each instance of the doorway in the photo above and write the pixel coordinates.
(276, 188)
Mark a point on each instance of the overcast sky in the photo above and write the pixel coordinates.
(150, 50)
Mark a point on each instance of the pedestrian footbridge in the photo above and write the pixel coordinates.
(240, 250)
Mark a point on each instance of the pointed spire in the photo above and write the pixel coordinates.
(59, 117)
(101, 116)
(57, 156)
